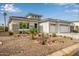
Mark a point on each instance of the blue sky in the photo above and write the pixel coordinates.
(63, 11)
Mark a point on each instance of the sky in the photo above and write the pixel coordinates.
(63, 11)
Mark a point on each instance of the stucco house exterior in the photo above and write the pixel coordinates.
(76, 25)
(55, 26)
(43, 25)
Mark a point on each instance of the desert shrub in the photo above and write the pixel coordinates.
(18, 35)
(50, 35)
(27, 32)
(71, 38)
(65, 36)
(6, 29)
(20, 32)
(11, 33)
(43, 40)
(75, 31)
(32, 31)
(54, 35)
(39, 34)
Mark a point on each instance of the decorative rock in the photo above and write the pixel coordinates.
(1, 43)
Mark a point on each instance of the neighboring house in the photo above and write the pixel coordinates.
(34, 20)
(76, 25)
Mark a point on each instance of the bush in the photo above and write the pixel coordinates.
(20, 32)
(6, 29)
(65, 37)
(32, 31)
(39, 35)
(75, 31)
(54, 35)
(10, 33)
(27, 32)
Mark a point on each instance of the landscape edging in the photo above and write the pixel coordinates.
(66, 51)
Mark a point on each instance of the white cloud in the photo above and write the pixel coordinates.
(68, 5)
(61, 4)
(10, 8)
(72, 5)
(72, 11)
(75, 15)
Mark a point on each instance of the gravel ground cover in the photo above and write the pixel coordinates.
(13, 46)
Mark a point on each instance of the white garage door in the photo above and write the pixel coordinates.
(64, 29)
(52, 29)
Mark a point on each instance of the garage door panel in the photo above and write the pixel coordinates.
(64, 29)
(52, 29)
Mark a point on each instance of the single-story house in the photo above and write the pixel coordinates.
(76, 25)
(43, 25)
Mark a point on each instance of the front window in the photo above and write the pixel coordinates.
(27, 25)
(35, 25)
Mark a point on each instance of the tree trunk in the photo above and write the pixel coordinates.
(4, 23)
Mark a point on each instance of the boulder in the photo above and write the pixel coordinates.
(1, 43)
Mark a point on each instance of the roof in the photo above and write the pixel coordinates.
(17, 17)
(55, 20)
(39, 20)
(21, 18)
(32, 14)
(75, 21)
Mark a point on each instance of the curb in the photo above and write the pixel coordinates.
(66, 51)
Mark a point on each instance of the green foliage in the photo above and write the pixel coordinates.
(54, 35)
(1, 28)
(32, 32)
(4, 13)
(75, 31)
(65, 37)
(22, 25)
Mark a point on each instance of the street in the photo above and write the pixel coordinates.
(76, 54)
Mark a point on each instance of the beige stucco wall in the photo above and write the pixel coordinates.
(76, 23)
(31, 23)
(44, 27)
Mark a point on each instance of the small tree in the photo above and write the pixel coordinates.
(43, 39)
(32, 32)
(4, 14)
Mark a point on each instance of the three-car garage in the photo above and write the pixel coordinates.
(55, 26)
(64, 29)
(60, 29)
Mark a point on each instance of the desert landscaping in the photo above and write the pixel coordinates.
(40, 45)
(37, 35)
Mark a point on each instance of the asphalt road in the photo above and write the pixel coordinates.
(76, 54)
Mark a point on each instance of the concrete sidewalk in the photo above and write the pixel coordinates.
(66, 51)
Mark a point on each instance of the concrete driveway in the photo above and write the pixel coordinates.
(73, 35)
